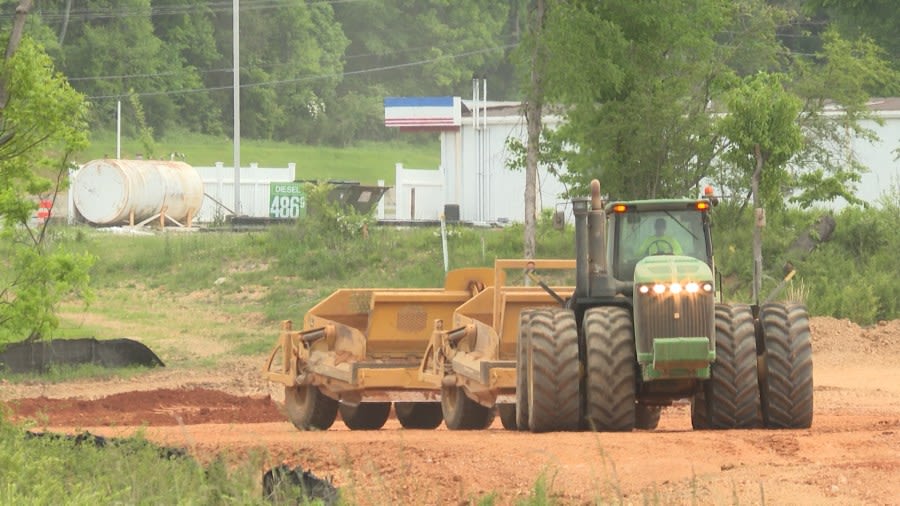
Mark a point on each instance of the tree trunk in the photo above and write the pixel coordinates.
(15, 36)
(759, 217)
(533, 109)
(806, 242)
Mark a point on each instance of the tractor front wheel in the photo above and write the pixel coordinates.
(730, 397)
(609, 341)
(786, 370)
(308, 408)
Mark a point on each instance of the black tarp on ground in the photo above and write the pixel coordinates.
(38, 356)
(281, 484)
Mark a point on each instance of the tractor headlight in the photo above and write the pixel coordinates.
(675, 288)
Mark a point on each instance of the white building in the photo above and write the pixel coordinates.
(881, 157)
(474, 173)
(474, 176)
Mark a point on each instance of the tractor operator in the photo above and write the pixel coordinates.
(660, 243)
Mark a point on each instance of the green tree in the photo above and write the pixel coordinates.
(875, 20)
(762, 135)
(637, 78)
(188, 34)
(43, 122)
(423, 47)
(290, 66)
(640, 83)
(111, 48)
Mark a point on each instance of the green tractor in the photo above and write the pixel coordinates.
(643, 328)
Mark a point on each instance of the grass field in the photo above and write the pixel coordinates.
(365, 162)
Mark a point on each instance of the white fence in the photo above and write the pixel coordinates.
(418, 193)
(218, 185)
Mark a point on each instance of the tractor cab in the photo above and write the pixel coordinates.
(669, 228)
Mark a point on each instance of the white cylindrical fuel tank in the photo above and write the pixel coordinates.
(106, 192)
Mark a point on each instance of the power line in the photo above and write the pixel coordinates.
(267, 66)
(170, 10)
(310, 78)
(134, 76)
(313, 78)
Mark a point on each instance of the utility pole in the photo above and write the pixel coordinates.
(236, 49)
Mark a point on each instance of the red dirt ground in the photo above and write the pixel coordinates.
(851, 455)
(162, 407)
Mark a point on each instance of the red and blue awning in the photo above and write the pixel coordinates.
(423, 113)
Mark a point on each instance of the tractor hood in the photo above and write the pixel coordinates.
(671, 269)
(673, 317)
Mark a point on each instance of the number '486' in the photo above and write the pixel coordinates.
(286, 206)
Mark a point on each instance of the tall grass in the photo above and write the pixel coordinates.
(46, 470)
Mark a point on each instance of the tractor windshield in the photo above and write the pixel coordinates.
(639, 234)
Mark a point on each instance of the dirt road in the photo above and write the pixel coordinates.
(851, 455)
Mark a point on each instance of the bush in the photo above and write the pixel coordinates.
(853, 275)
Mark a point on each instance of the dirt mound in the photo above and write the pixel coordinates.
(153, 408)
(839, 335)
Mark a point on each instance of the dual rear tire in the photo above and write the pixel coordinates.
(611, 382)
(549, 386)
(786, 371)
(730, 398)
(365, 415)
(762, 377)
(419, 415)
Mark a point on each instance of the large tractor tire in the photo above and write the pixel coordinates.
(507, 414)
(365, 415)
(523, 348)
(611, 383)
(730, 398)
(786, 369)
(647, 417)
(308, 408)
(462, 413)
(419, 415)
(554, 382)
